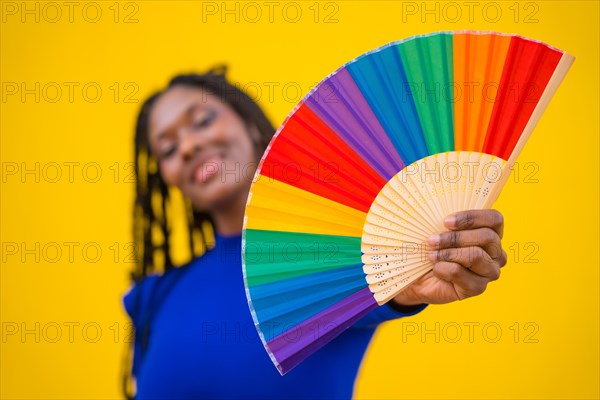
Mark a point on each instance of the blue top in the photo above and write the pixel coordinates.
(202, 343)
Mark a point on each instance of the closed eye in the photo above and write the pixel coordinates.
(206, 121)
(168, 152)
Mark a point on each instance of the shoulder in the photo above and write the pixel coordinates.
(137, 298)
(144, 297)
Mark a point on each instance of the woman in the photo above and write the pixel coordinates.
(195, 337)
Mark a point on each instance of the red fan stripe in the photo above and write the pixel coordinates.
(528, 68)
(307, 154)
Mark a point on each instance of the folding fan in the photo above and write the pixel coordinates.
(368, 165)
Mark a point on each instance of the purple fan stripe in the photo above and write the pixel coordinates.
(299, 342)
(340, 104)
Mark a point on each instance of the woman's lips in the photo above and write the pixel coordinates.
(208, 168)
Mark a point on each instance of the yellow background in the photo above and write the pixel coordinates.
(551, 207)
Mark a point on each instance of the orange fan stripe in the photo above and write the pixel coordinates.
(478, 62)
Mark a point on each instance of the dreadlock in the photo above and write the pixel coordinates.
(152, 207)
(151, 190)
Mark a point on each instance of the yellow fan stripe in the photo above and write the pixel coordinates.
(277, 206)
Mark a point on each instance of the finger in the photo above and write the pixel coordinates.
(473, 219)
(472, 258)
(503, 259)
(465, 282)
(486, 238)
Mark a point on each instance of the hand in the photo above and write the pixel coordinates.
(465, 260)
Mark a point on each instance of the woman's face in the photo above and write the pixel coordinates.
(203, 147)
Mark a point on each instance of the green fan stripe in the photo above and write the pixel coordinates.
(273, 255)
(430, 74)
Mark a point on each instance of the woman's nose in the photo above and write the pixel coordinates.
(190, 143)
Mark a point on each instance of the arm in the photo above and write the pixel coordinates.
(387, 312)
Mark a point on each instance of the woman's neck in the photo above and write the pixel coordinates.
(229, 218)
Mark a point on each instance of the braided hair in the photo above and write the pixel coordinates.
(153, 208)
(151, 190)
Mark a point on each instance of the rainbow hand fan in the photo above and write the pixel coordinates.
(367, 166)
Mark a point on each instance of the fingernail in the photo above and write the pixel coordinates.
(432, 256)
(434, 240)
(450, 220)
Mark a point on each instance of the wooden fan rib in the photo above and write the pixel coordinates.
(379, 230)
(390, 274)
(405, 199)
(378, 272)
(384, 261)
(392, 291)
(391, 234)
(371, 249)
(396, 282)
(387, 207)
(408, 189)
(374, 219)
